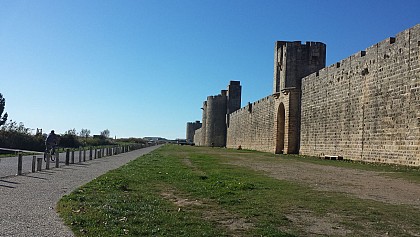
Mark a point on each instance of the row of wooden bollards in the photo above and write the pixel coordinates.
(94, 153)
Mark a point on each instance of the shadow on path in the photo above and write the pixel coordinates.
(7, 182)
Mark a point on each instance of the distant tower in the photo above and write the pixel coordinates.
(191, 127)
(216, 120)
(216, 110)
(234, 96)
(293, 61)
(204, 124)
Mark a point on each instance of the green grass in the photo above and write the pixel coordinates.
(191, 191)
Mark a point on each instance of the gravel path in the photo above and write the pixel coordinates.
(27, 202)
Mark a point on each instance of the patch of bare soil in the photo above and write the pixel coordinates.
(316, 226)
(359, 183)
(232, 223)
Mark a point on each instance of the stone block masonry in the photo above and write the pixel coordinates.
(366, 107)
(251, 127)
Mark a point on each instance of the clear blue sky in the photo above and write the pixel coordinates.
(144, 68)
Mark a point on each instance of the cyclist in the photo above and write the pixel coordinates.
(51, 142)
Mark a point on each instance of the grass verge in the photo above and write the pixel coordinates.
(191, 191)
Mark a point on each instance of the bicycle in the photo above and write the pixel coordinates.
(50, 151)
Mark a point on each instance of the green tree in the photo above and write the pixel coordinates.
(13, 126)
(2, 106)
(84, 133)
(105, 133)
(16, 135)
(71, 132)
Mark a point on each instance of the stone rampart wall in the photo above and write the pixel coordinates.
(198, 137)
(366, 107)
(252, 127)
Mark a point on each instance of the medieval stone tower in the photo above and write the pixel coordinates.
(216, 110)
(191, 127)
(364, 107)
(292, 62)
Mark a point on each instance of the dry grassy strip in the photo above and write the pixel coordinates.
(192, 191)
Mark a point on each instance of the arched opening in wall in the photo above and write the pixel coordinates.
(280, 129)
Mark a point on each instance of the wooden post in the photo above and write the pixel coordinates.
(72, 156)
(47, 158)
(90, 153)
(33, 164)
(67, 156)
(80, 154)
(19, 164)
(39, 164)
(94, 153)
(57, 160)
(84, 154)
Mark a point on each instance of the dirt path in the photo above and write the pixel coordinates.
(358, 183)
